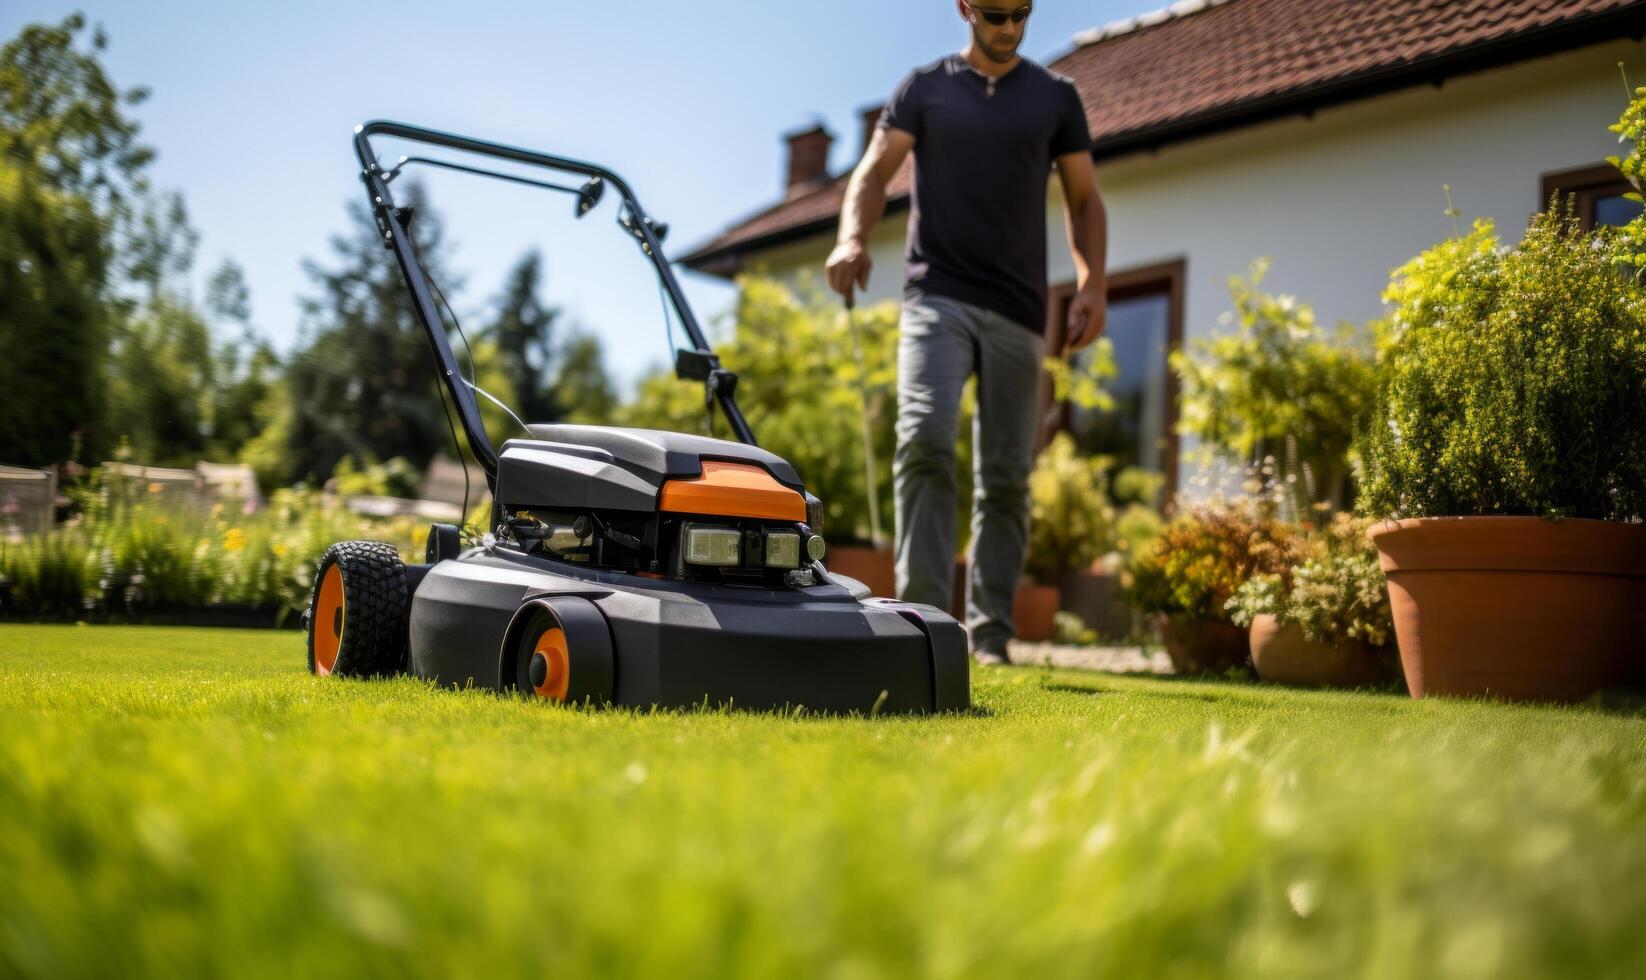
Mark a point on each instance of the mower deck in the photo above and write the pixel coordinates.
(678, 644)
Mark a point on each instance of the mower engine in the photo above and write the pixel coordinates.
(658, 504)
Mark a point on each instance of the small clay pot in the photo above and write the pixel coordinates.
(1283, 655)
(1204, 646)
(1034, 611)
(874, 567)
(1521, 608)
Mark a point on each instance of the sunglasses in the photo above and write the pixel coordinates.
(999, 17)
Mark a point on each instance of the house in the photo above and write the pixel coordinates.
(27, 499)
(1315, 132)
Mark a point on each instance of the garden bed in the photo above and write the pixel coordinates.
(189, 802)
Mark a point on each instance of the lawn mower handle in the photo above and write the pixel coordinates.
(391, 226)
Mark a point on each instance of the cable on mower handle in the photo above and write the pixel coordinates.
(719, 384)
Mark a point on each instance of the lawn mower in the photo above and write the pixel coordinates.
(621, 566)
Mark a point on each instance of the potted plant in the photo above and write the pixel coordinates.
(1071, 527)
(1324, 623)
(1279, 394)
(1508, 456)
(1194, 568)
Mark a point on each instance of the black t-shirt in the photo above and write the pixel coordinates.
(983, 153)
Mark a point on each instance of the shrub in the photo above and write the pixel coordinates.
(1514, 380)
(1336, 593)
(1278, 385)
(128, 553)
(1068, 629)
(798, 387)
(1204, 555)
(395, 478)
(1072, 522)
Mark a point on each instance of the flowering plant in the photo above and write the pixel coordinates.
(1335, 593)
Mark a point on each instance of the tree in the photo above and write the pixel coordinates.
(53, 319)
(61, 116)
(248, 370)
(228, 298)
(583, 392)
(69, 160)
(1279, 394)
(524, 335)
(798, 388)
(162, 382)
(364, 386)
(158, 242)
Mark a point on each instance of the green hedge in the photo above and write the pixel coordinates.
(132, 553)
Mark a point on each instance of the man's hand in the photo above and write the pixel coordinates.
(848, 268)
(1088, 316)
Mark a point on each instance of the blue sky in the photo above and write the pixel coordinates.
(253, 106)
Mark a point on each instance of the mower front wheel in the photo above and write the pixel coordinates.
(559, 649)
(358, 612)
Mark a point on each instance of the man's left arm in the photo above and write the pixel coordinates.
(1089, 242)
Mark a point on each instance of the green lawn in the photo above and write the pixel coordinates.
(183, 802)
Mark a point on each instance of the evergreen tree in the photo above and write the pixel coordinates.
(162, 382)
(248, 369)
(583, 391)
(524, 335)
(364, 386)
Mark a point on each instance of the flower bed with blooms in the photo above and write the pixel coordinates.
(131, 552)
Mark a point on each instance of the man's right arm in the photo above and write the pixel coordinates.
(848, 265)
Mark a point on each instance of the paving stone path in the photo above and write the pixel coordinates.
(1115, 660)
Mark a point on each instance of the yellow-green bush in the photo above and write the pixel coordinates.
(1513, 379)
(798, 387)
(131, 551)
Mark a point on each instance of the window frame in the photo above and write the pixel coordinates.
(1588, 184)
(1162, 278)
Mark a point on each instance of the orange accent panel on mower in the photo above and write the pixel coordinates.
(327, 624)
(734, 490)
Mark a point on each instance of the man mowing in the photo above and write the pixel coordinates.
(985, 126)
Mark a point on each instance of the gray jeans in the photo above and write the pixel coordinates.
(942, 343)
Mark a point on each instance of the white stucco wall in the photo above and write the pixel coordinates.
(1336, 200)
(1340, 199)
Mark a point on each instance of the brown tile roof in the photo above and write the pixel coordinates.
(1200, 66)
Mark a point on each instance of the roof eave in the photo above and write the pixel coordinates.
(1433, 70)
(726, 262)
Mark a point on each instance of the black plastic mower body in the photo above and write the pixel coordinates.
(822, 644)
(680, 644)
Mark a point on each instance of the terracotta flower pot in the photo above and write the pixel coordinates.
(874, 567)
(1204, 646)
(1520, 608)
(1094, 595)
(1034, 611)
(1283, 655)
(1034, 607)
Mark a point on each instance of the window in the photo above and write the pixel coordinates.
(1599, 191)
(1145, 324)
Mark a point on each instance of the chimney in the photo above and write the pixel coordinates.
(808, 158)
(871, 118)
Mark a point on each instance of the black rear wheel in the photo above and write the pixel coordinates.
(359, 611)
(560, 649)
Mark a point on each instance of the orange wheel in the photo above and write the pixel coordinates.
(551, 668)
(328, 621)
(558, 649)
(359, 612)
